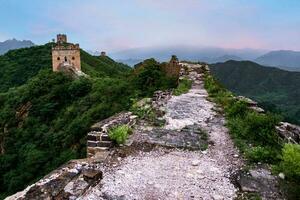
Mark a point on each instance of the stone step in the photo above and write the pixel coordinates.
(91, 151)
(92, 143)
(93, 137)
(104, 144)
(105, 137)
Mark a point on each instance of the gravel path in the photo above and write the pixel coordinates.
(173, 173)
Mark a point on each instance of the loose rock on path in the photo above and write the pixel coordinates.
(165, 173)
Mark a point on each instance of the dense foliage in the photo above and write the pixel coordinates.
(44, 122)
(148, 77)
(290, 163)
(276, 90)
(254, 134)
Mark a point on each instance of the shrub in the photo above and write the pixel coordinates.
(120, 134)
(261, 154)
(183, 87)
(260, 128)
(236, 108)
(290, 163)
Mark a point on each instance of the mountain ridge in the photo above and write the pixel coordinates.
(12, 44)
(284, 59)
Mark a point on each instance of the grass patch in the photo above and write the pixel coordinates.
(204, 139)
(183, 87)
(120, 134)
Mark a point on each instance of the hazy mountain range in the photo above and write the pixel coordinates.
(208, 54)
(14, 44)
(288, 60)
(284, 59)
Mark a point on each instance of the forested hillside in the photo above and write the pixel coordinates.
(44, 116)
(17, 66)
(276, 90)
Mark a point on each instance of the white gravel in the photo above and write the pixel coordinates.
(177, 174)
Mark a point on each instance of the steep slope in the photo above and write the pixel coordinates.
(287, 60)
(43, 123)
(17, 66)
(270, 86)
(14, 44)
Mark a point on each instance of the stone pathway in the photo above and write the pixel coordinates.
(165, 173)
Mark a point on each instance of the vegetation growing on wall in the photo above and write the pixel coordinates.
(183, 87)
(119, 134)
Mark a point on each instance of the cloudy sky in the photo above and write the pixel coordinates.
(114, 25)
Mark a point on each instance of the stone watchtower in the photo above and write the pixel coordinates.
(65, 54)
(103, 54)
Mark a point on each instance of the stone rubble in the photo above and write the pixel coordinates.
(67, 182)
(175, 173)
(289, 132)
(260, 180)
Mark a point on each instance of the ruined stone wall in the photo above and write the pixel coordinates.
(69, 54)
(172, 69)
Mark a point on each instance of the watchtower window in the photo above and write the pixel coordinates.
(66, 59)
(73, 58)
(58, 58)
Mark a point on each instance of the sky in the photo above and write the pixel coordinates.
(113, 25)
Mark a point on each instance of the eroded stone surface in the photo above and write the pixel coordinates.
(260, 180)
(176, 174)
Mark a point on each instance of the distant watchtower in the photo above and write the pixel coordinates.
(65, 54)
(103, 53)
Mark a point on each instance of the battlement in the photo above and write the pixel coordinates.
(66, 47)
(61, 38)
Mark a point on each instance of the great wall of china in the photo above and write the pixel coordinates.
(189, 156)
(167, 162)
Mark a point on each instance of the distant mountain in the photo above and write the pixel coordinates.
(272, 87)
(288, 60)
(14, 44)
(222, 59)
(188, 53)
